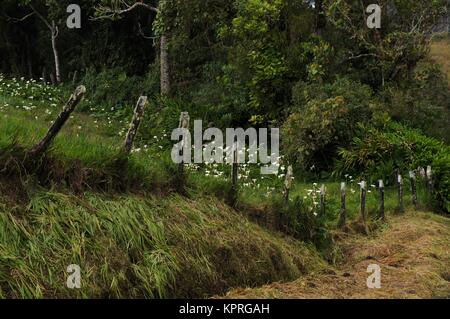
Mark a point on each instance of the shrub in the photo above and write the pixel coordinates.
(116, 91)
(379, 150)
(421, 102)
(325, 117)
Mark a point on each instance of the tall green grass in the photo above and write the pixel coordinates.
(130, 246)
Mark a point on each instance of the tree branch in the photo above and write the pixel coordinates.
(110, 13)
(40, 16)
(19, 19)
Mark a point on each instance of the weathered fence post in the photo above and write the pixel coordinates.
(288, 183)
(412, 179)
(381, 189)
(234, 173)
(75, 98)
(342, 213)
(429, 179)
(183, 124)
(322, 200)
(363, 206)
(400, 192)
(422, 172)
(135, 122)
(423, 176)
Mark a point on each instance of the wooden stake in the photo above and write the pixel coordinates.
(412, 179)
(381, 189)
(322, 200)
(183, 124)
(429, 179)
(400, 192)
(235, 168)
(363, 206)
(75, 98)
(234, 174)
(288, 183)
(135, 122)
(342, 213)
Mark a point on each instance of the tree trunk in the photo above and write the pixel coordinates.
(75, 98)
(165, 69)
(55, 52)
(320, 18)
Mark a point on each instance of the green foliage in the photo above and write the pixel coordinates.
(138, 247)
(260, 47)
(378, 151)
(324, 118)
(421, 102)
(393, 52)
(115, 91)
(301, 220)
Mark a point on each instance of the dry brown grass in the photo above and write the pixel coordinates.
(413, 251)
(440, 53)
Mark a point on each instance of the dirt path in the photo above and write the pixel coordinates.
(413, 252)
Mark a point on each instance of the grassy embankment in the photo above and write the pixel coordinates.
(132, 235)
(123, 221)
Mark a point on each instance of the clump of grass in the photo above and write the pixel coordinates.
(130, 246)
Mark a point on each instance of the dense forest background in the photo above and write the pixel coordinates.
(313, 68)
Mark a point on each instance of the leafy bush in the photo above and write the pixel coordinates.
(116, 91)
(301, 220)
(421, 102)
(379, 150)
(325, 117)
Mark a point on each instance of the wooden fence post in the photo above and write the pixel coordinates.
(429, 178)
(363, 206)
(135, 122)
(234, 173)
(183, 124)
(288, 183)
(412, 179)
(400, 192)
(342, 213)
(381, 189)
(75, 98)
(322, 200)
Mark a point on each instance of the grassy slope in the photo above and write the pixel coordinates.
(412, 251)
(130, 246)
(140, 241)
